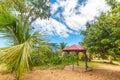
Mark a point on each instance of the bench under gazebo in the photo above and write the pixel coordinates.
(76, 49)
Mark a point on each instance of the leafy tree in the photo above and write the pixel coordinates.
(47, 55)
(112, 3)
(42, 55)
(28, 10)
(16, 17)
(103, 36)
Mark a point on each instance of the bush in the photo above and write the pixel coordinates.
(57, 60)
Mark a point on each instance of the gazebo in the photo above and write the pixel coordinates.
(75, 48)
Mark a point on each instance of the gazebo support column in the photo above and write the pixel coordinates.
(86, 66)
(73, 63)
(68, 57)
(64, 59)
(77, 53)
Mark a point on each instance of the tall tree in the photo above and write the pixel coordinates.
(62, 45)
(103, 35)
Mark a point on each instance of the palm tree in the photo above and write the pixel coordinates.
(62, 45)
(17, 57)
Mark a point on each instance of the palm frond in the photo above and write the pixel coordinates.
(17, 58)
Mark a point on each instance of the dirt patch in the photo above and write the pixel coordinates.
(104, 72)
(97, 74)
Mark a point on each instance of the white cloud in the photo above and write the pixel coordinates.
(69, 8)
(118, 0)
(54, 7)
(52, 27)
(93, 8)
(73, 19)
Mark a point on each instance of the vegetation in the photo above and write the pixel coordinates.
(16, 17)
(62, 45)
(103, 36)
(28, 49)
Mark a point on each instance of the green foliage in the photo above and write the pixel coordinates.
(62, 45)
(56, 60)
(16, 17)
(103, 36)
(3, 68)
(112, 3)
(42, 55)
(17, 58)
(6, 18)
(28, 10)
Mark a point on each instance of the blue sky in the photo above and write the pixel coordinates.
(72, 39)
(68, 18)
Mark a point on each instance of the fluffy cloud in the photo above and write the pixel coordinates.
(52, 27)
(118, 0)
(69, 16)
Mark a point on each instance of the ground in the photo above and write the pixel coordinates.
(103, 72)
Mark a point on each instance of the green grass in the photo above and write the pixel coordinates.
(90, 64)
(61, 66)
(3, 68)
(118, 59)
(82, 63)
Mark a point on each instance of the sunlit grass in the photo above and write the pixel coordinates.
(3, 68)
(118, 59)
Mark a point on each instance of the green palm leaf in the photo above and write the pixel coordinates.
(17, 58)
(17, 28)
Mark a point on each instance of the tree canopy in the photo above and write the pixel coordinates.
(103, 36)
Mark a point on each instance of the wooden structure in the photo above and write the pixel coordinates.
(75, 48)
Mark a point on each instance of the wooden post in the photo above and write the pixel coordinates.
(77, 58)
(86, 66)
(68, 57)
(73, 62)
(64, 59)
